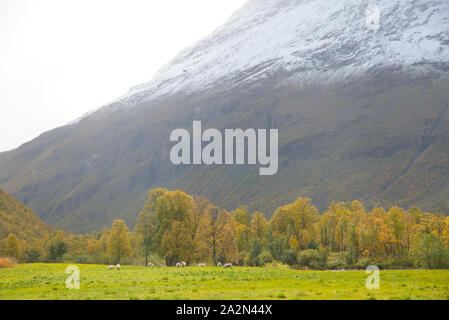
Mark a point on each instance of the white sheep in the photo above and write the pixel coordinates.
(201, 264)
(178, 265)
(183, 264)
(150, 264)
(219, 264)
(117, 266)
(228, 265)
(111, 267)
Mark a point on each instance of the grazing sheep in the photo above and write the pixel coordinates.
(111, 268)
(118, 266)
(219, 264)
(183, 264)
(150, 265)
(178, 265)
(227, 265)
(201, 264)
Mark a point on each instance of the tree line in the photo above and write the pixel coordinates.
(174, 226)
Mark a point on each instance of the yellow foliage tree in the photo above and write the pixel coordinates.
(12, 246)
(298, 218)
(178, 244)
(293, 243)
(118, 243)
(259, 226)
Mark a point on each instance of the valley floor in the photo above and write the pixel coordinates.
(48, 281)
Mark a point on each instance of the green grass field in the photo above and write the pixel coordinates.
(47, 281)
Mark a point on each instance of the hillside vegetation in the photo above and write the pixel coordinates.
(23, 236)
(174, 226)
(20, 220)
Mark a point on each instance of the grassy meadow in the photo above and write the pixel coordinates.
(47, 281)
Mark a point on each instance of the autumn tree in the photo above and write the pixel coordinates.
(32, 254)
(296, 219)
(177, 244)
(396, 223)
(11, 246)
(411, 223)
(217, 234)
(445, 236)
(169, 207)
(118, 243)
(56, 250)
(145, 229)
(432, 252)
(259, 226)
(146, 226)
(227, 250)
(242, 227)
(102, 243)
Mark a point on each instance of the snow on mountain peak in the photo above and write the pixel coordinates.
(319, 40)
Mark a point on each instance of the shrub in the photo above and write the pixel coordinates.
(432, 253)
(403, 262)
(324, 255)
(57, 250)
(337, 260)
(255, 251)
(243, 259)
(32, 255)
(127, 261)
(397, 262)
(83, 259)
(351, 255)
(289, 257)
(312, 245)
(363, 263)
(7, 262)
(309, 258)
(264, 258)
(277, 265)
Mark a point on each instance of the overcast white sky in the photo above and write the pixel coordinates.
(62, 58)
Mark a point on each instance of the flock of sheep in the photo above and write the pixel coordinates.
(178, 265)
(183, 264)
(111, 267)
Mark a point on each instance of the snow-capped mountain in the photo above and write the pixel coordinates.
(318, 40)
(358, 90)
